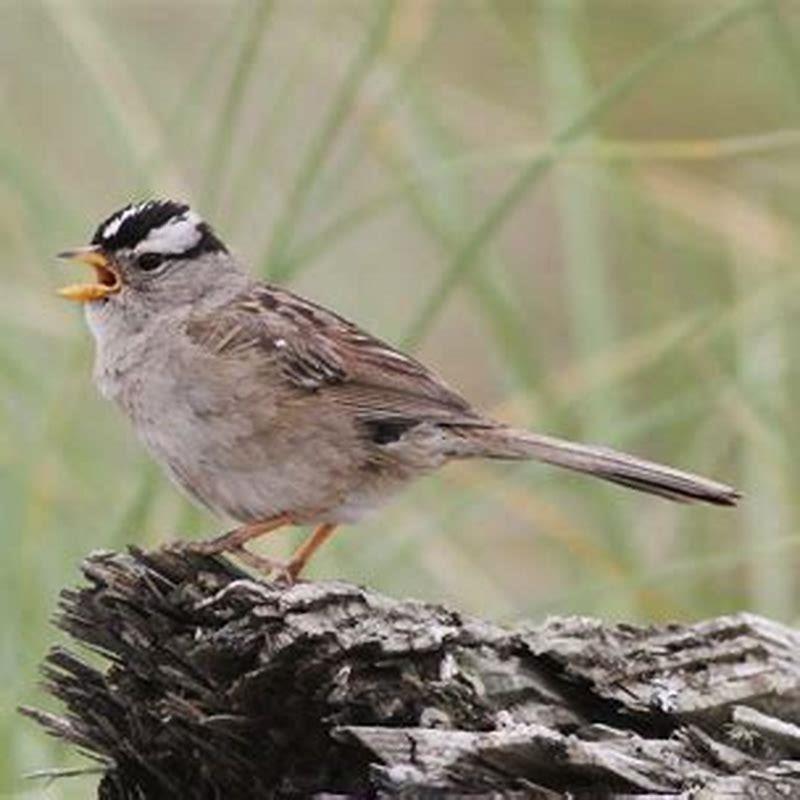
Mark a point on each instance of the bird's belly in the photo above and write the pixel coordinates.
(249, 457)
(275, 469)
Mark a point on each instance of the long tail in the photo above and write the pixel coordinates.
(602, 462)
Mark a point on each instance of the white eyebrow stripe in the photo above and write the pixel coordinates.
(177, 235)
(112, 227)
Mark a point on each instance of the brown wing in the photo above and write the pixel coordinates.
(319, 351)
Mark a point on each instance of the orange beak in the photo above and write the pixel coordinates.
(107, 278)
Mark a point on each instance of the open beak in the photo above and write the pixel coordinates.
(107, 279)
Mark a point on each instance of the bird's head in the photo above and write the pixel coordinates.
(149, 257)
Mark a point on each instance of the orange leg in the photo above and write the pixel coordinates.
(303, 554)
(237, 538)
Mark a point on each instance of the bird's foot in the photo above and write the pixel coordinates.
(182, 547)
(207, 547)
(282, 572)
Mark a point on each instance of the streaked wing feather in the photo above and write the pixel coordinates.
(317, 350)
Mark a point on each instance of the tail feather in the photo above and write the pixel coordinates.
(601, 462)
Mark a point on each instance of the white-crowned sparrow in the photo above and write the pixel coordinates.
(272, 410)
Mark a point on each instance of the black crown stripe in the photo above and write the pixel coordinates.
(139, 219)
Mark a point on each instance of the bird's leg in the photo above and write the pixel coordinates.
(235, 540)
(303, 554)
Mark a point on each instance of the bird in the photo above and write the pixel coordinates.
(271, 410)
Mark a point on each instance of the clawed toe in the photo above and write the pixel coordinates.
(285, 574)
(182, 547)
(278, 571)
(282, 572)
(233, 543)
(208, 548)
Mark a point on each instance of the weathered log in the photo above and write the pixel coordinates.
(216, 684)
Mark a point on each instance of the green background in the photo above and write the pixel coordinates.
(582, 214)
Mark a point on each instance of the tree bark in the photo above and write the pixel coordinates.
(216, 684)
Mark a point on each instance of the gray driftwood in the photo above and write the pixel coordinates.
(214, 684)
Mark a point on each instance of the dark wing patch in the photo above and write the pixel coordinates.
(386, 431)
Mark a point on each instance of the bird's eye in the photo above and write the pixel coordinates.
(150, 261)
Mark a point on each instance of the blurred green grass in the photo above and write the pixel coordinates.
(582, 213)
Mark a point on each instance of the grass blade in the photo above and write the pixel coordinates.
(116, 85)
(283, 230)
(403, 79)
(232, 105)
(247, 181)
(619, 151)
(571, 132)
(588, 290)
(194, 96)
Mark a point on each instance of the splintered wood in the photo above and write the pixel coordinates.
(215, 684)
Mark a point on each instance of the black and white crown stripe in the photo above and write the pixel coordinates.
(164, 227)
